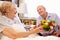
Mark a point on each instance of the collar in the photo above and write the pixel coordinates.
(7, 18)
(48, 16)
(6, 21)
(4, 18)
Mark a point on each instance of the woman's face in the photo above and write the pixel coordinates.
(11, 13)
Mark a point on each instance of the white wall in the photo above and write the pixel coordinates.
(52, 6)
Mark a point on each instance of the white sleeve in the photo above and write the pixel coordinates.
(1, 28)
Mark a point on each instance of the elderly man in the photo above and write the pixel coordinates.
(49, 16)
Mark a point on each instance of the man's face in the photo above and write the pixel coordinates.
(41, 10)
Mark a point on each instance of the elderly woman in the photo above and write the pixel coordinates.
(8, 12)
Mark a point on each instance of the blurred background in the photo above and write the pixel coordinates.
(27, 8)
(52, 6)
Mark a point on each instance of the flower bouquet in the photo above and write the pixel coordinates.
(47, 24)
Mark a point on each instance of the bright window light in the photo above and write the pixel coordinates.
(52, 6)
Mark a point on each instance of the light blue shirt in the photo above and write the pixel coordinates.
(51, 16)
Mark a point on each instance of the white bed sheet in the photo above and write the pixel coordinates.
(39, 38)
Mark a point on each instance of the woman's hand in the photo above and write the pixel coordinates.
(36, 29)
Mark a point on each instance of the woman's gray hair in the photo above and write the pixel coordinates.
(6, 5)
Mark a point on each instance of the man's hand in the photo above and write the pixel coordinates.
(56, 33)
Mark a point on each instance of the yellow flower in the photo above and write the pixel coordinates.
(46, 23)
(47, 20)
(43, 21)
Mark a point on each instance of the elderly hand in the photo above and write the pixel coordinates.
(56, 33)
(36, 29)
